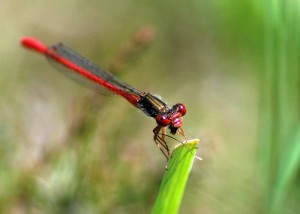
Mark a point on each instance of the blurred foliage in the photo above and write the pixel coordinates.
(65, 149)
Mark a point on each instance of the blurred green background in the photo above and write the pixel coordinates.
(234, 64)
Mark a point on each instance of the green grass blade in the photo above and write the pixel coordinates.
(281, 131)
(175, 178)
(287, 173)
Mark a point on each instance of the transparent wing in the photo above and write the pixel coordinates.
(65, 52)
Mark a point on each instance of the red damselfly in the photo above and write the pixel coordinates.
(151, 105)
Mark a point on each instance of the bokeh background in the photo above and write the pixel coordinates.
(234, 64)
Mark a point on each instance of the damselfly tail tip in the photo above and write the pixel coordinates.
(33, 43)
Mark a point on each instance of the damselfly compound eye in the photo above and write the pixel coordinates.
(181, 108)
(162, 120)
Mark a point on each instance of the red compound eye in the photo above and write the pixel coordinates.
(162, 120)
(181, 109)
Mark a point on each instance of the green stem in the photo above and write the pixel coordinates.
(172, 188)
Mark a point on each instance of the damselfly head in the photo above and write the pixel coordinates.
(172, 118)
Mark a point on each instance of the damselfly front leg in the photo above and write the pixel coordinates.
(159, 139)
